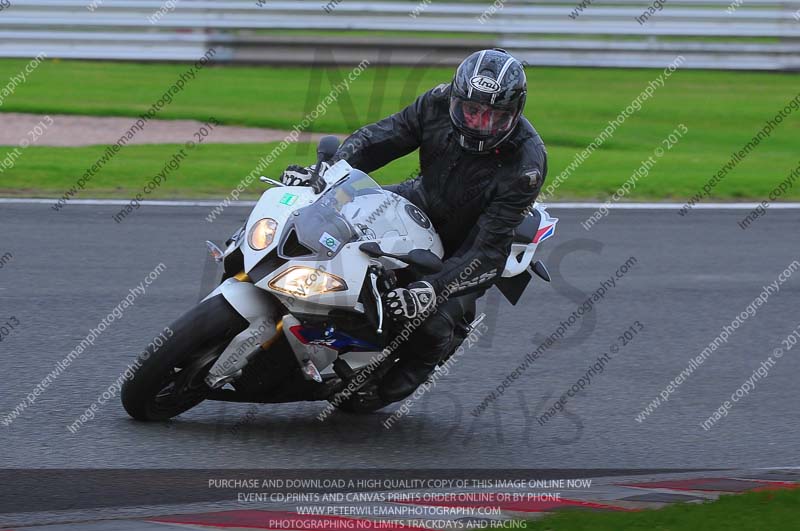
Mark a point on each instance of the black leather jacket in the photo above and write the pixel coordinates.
(474, 201)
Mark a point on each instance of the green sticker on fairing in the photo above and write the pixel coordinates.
(329, 241)
(288, 199)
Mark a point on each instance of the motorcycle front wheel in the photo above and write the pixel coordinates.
(171, 379)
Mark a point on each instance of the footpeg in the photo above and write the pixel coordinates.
(475, 323)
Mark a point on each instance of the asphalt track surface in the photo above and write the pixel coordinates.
(692, 275)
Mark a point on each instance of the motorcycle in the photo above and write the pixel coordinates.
(298, 314)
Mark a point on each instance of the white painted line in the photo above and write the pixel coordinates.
(554, 205)
(672, 206)
(118, 202)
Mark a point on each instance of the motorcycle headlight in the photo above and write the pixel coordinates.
(262, 233)
(301, 281)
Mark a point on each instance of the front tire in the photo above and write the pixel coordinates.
(171, 380)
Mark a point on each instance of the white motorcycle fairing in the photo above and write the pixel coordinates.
(522, 252)
(377, 215)
(313, 265)
(260, 311)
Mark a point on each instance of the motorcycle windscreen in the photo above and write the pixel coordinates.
(354, 209)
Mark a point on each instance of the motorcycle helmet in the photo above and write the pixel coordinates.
(486, 99)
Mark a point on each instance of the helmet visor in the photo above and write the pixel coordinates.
(478, 119)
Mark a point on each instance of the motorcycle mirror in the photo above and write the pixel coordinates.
(371, 249)
(326, 149)
(422, 260)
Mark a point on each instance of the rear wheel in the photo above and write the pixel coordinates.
(171, 378)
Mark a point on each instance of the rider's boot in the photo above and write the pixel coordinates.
(427, 345)
(406, 375)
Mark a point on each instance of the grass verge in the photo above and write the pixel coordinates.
(569, 106)
(212, 170)
(776, 510)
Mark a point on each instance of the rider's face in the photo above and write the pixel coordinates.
(483, 118)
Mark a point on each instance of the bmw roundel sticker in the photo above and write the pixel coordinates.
(418, 216)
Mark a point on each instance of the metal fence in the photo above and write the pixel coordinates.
(730, 34)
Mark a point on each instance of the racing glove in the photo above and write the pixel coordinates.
(295, 175)
(409, 303)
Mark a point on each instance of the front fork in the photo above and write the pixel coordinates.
(265, 326)
(261, 311)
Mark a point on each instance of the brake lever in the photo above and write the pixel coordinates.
(270, 181)
(375, 293)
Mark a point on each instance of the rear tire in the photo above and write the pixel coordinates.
(171, 380)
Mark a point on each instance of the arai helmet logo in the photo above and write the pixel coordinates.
(485, 84)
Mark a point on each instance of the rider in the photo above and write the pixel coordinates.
(482, 165)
